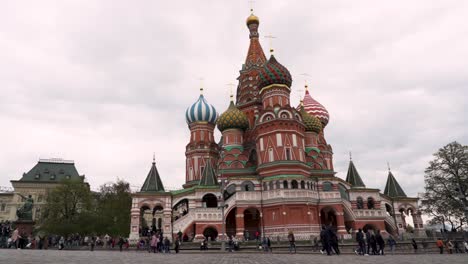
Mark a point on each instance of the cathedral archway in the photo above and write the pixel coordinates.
(328, 217)
(209, 200)
(251, 221)
(231, 222)
(210, 233)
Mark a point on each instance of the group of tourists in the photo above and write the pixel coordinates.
(452, 246)
(373, 244)
(156, 242)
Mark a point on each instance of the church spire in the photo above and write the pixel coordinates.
(153, 182)
(393, 188)
(353, 176)
(209, 175)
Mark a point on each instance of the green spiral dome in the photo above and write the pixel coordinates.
(311, 122)
(232, 118)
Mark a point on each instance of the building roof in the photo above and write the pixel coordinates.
(209, 176)
(201, 111)
(315, 108)
(393, 188)
(153, 182)
(52, 170)
(353, 176)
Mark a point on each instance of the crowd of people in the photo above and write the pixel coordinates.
(156, 242)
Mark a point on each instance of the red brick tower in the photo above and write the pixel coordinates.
(201, 119)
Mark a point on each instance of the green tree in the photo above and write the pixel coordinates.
(446, 187)
(68, 209)
(113, 204)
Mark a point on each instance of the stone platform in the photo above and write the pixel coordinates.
(131, 257)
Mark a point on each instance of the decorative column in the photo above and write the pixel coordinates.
(240, 223)
(134, 221)
(340, 224)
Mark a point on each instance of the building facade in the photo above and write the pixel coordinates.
(271, 172)
(37, 182)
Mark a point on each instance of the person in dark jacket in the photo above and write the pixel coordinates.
(380, 242)
(373, 242)
(292, 242)
(415, 245)
(368, 242)
(177, 244)
(361, 243)
(333, 240)
(325, 238)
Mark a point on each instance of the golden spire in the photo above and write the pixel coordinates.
(270, 37)
(201, 85)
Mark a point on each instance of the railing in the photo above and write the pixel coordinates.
(199, 214)
(289, 193)
(370, 213)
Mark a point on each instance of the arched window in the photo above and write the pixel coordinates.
(247, 186)
(210, 201)
(294, 184)
(285, 185)
(327, 186)
(265, 186)
(370, 203)
(270, 155)
(308, 185)
(229, 191)
(343, 192)
(302, 185)
(278, 185)
(359, 203)
(271, 185)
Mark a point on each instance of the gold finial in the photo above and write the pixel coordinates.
(270, 37)
(231, 93)
(306, 75)
(302, 102)
(201, 85)
(350, 156)
(251, 2)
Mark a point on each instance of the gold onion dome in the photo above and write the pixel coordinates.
(232, 118)
(311, 122)
(252, 19)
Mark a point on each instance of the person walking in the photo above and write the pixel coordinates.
(292, 242)
(325, 238)
(440, 245)
(449, 246)
(177, 245)
(465, 246)
(380, 242)
(333, 244)
(373, 242)
(121, 243)
(15, 238)
(167, 245)
(368, 242)
(415, 245)
(92, 243)
(154, 243)
(265, 245)
(361, 243)
(391, 243)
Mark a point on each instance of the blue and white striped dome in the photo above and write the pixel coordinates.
(201, 111)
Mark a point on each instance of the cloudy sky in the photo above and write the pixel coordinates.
(106, 83)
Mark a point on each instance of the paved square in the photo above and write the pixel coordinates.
(115, 257)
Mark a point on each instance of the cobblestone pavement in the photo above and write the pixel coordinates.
(115, 257)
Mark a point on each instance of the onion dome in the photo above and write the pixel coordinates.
(311, 122)
(315, 108)
(252, 19)
(201, 111)
(232, 118)
(274, 73)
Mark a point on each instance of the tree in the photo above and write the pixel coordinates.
(113, 204)
(446, 189)
(67, 210)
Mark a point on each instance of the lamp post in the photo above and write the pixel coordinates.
(222, 206)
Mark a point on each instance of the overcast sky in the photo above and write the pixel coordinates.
(106, 83)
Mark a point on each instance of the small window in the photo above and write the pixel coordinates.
(37, 177)
(294, 184)
(285, 184)
(247, 186)
(270, 154)
(370, 203)
(288, 154)
(302, 185)
(278, 185)
(359, 203)
(3, 207)
(271, 185)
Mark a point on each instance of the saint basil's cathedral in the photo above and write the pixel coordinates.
(270, 173)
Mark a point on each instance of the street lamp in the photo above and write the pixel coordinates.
(222, 206)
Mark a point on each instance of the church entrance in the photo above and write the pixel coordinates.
(231, 223)
(251, 223)
(210, 233)
(328, 217)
